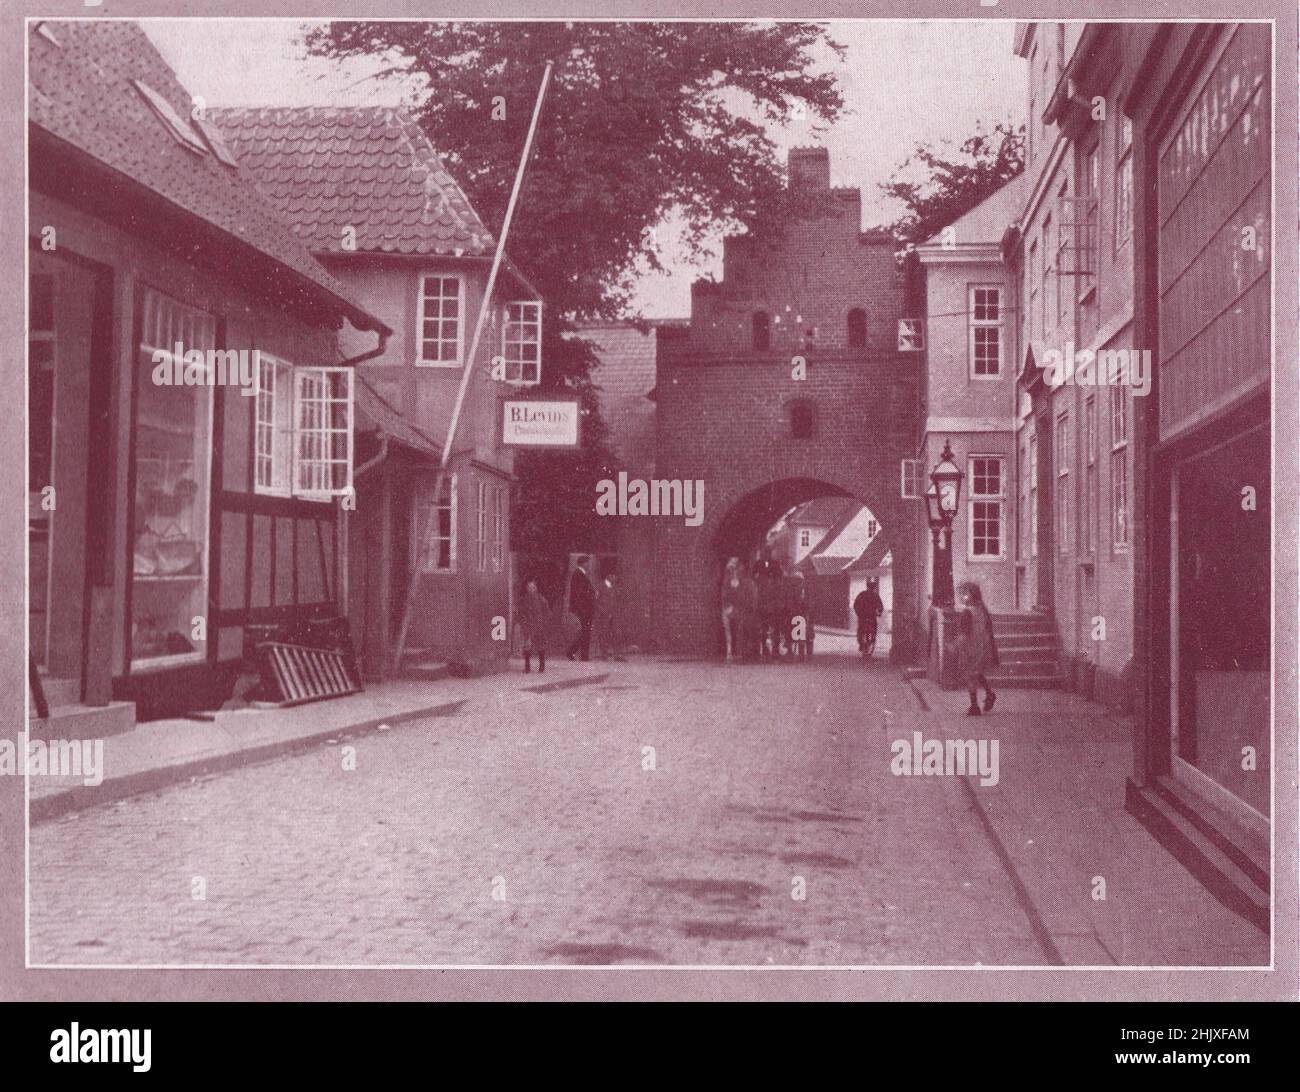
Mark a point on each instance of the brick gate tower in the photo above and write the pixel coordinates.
(788, 384)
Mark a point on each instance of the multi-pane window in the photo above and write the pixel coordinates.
(498, 526)
(1124, 184)
(873, 529)
(433, 532)
(985, 331)
(987, 516)
(1063, 484)
(322, 432)
(521, 343)
(273, 442)
(481, 537)
(1090, 473)
(1033, 494)
(1119, 466)
(1033, 290)
(441, 329)
(302, 439)
(1089, 212)
(911, 479)
(1062, 258)
(1048, 276)
(1022, 499)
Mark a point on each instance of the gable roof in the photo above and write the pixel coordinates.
(367, 167)
(823, 512)
(81, 91)
(986, 222)
(875, 556)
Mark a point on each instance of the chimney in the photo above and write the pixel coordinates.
(809, 168)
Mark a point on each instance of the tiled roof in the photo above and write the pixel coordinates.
(823, 511)
(81, 92)
(874, 556)
(370, 168)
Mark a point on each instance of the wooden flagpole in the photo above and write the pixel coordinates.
(413, 584)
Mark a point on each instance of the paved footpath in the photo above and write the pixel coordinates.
(528, 827)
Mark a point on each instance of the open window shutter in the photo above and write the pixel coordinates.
(323, 432)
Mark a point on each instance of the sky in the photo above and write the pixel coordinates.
(902, 83)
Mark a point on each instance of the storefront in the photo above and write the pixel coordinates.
(1203, 759)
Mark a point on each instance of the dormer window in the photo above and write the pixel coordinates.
(857, 328)
(175, 124)
(521, 342)
(762, 323)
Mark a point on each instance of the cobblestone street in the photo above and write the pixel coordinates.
(527, 829)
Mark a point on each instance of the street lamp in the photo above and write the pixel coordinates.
(941, 503)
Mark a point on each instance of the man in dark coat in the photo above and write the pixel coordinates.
(582, 604)
(868, 607)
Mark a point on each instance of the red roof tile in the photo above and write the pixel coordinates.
(82, 92)
(370, 168)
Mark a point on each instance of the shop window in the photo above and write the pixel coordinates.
(173, 459)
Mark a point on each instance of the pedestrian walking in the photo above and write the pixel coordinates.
(733, 608)
(977, 649)
(868, 607)
(535, 620)
(582, 605)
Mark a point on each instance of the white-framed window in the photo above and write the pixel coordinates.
(521, 341)
(1124, 184)
(302, 443)
(498, 526)
(1087, 514)
(873, 529)
(1033, 494)
(1063, 483)
(985, 303)
(1119, 492)
(1048, 277)
(433, 530)
(987, 506)
(1090, 214)
(273, 441)
(911, 476)
(1033, 290)
(805, 538)
(440, 320)
(481, 529)
(911, 335)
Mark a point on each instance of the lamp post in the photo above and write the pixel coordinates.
(941, 504)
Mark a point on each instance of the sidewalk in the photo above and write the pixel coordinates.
(158, 753)
(1058, 823)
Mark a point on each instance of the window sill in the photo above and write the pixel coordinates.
(437, 364)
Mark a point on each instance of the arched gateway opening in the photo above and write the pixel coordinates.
(825, 534)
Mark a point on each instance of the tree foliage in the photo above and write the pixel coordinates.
(938, 186)
(641, 120)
